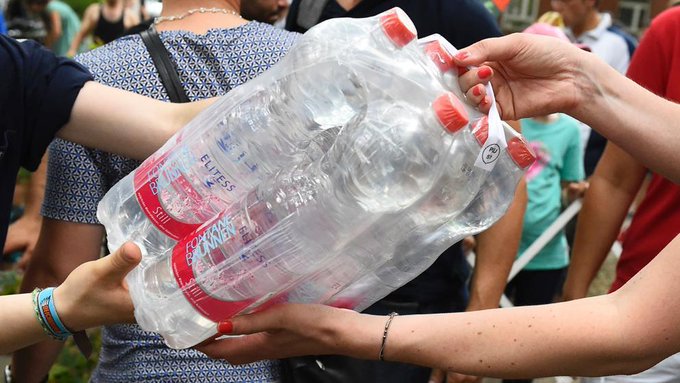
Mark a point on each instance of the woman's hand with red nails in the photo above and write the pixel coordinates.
(286, 330)
(531, 75)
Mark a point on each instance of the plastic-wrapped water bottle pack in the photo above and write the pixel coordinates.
(335, 177)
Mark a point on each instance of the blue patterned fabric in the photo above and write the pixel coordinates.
(208, 65)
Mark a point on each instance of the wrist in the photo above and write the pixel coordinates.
(590, 88)
(357, 335)
(66, 308)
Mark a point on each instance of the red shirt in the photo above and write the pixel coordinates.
(656, 66)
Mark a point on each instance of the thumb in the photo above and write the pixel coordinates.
(122, 261)
(493, 49)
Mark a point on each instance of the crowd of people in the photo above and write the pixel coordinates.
(564, 89)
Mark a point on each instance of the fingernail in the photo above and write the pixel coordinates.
(462, 70)
(484, 72)
(225, 327)
(462, 55)
(476, 91)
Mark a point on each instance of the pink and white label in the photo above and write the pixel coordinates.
(186, 253)
(148, 195)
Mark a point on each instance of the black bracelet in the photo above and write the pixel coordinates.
(384, 338)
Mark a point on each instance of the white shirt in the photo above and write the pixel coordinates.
(607, 44)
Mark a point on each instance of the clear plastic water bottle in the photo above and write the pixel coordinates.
(291, 225)
(423, 236)
(248, 135)
(455, 188)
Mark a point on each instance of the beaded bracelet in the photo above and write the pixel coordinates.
(384, 338)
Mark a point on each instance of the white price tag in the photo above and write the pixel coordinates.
(495, 144)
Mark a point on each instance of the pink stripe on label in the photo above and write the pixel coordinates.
(207, 305)
(145, 178)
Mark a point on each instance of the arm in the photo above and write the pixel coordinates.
(553, 76)
(55, 29)
(90, 19)
(79, 301)
(23, 234)
(624, 332)
(143, 127)
(61, 248)
(496, 251)
(613, 187)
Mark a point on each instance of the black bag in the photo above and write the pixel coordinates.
(320, 369)
(164, 66)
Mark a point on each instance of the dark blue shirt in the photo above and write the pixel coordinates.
(461, 22)
(37, 92)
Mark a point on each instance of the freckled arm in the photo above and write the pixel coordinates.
(620, 333)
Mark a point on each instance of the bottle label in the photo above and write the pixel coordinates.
(148, 191)
(495, 143)
(190, 250)
(207, 249)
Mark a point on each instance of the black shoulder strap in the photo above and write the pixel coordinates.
(164, 66)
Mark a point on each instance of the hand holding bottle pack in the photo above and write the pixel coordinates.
(334, 177)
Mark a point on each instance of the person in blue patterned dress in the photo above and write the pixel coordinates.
(214, 52)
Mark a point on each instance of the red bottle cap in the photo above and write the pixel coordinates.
(398, 27)
(450, 112)
(481, 130)
(521, 153)
(440, 56)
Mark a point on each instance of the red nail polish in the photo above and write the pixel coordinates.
(225, 327)
(462, 70)
(462, 55)
(484, 72)
(476, 91)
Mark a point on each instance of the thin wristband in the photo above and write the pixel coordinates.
(49, 315)
(384, 338)
(36, 308)
(46, 312)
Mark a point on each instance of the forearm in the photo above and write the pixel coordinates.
(125, 123)
(519, 343)
(619, 333)
(635, 119)
(599, 223)
(33, 363)
(496, 251)
(20, 326)
(62, 247)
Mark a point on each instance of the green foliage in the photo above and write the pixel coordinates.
(71, 365)
(9, 282)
